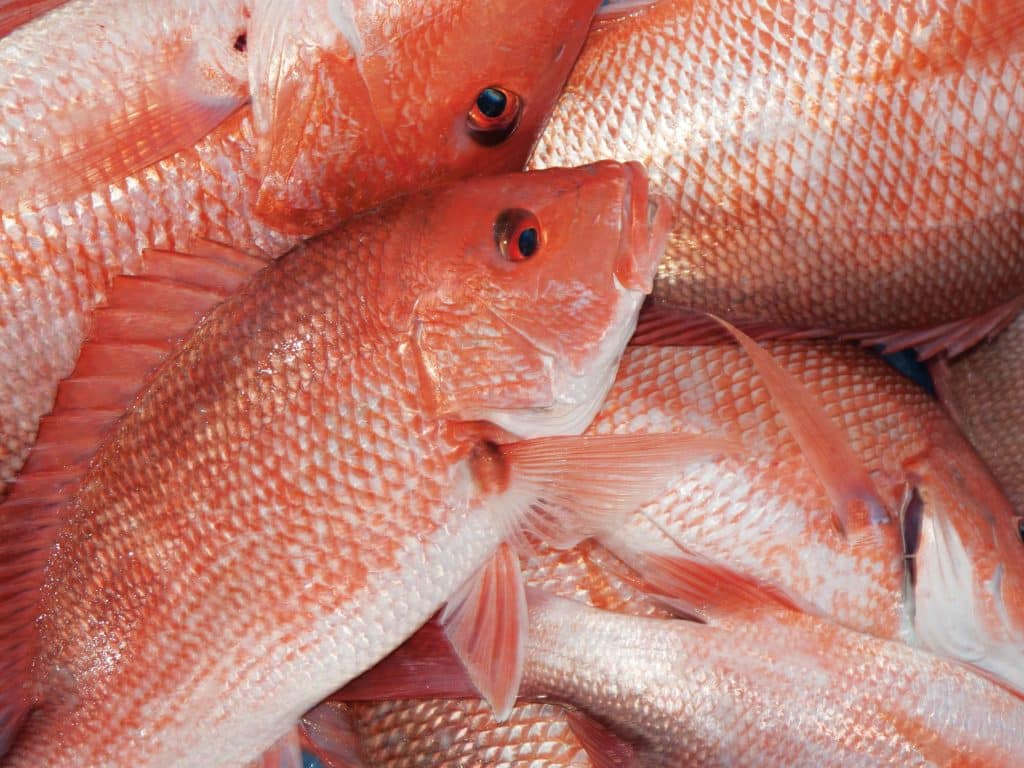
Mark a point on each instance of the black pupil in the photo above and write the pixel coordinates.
(491, 102)
(528, 242)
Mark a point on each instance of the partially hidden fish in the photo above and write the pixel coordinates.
(945, 571)
(252, 124)
(759, 684)
(835, 167)
(755, 682)
(984, 391)
(330, 456)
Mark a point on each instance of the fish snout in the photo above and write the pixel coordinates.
(646, 229)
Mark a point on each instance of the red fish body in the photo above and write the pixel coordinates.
(123, 128)
(290, 497)
(834, 166)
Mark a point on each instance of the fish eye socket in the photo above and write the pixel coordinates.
(494, 115)
(518, 234)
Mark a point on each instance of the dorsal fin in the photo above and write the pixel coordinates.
(14, 13)
(146, 316)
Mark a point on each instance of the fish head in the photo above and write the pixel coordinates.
(968, 566)
(530, 293)
(356, 102)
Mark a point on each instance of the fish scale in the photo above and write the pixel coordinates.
(287, 498)
(827, 160)
(59, 262)
(983, 391)
(462, 733)
(161, 169)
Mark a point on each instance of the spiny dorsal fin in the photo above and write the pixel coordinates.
(952, 339)
(145, 318)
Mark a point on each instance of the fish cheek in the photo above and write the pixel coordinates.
(471, 363)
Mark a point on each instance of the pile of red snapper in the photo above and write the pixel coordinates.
(325, 429)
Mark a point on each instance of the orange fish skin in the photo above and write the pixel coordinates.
(769, 689)
(57, 259)
(287, 501)
(834, 167)
(458, 733)
(983, 391)
(767, 514)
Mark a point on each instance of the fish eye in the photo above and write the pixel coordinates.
(1019, 524)
(517, 234)
(494, 115)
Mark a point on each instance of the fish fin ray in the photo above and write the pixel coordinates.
(285, 753)
(604, 748)
(328, 734)
(486, 623)
(841, 472)
(662, 325)
(161, 115)
(951, 339)
(565, 489)
(115, 363)
(15, 13)
(702, 587)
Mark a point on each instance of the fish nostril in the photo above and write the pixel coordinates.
(241, 42)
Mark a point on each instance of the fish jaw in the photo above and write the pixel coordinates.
(567, 319)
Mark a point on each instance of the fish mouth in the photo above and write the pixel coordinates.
(647, 221)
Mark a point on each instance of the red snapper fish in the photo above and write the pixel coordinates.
(125, 126)
(835, 166)
(330, 456)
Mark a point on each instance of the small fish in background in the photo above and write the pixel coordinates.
(265, 506)
(834, 168)
(253, 124)
(984, 392)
